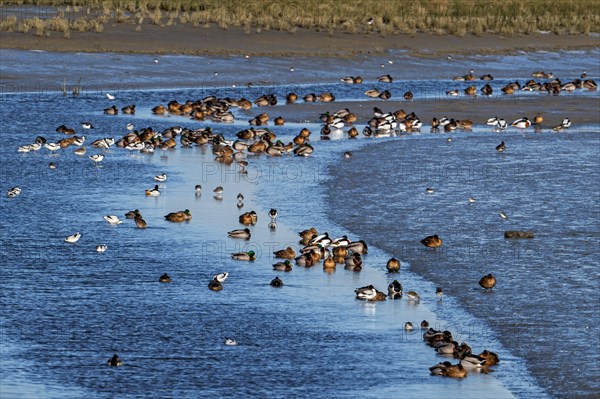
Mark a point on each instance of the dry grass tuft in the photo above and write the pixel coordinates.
(458, 17)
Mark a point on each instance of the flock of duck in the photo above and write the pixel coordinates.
(316, 249)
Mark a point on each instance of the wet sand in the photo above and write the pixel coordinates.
(185, 39)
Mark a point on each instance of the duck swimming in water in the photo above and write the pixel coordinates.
(501, 147)
(246, 256)
(153, 192)
(13, 192)
(285, 266)
(240, 233)
(393, 265)
(160, 178)
(215, 285)
(522, 123)
(395, 290)
(179, 217)
(276, 282)
(112, 219)
(413, 296)
(164, 278)
(221, 277)
(273, 215)
(73, 238)
(432, 241)
(488, 282)
(114, 361)
(139, 222)
(133, 214)
(287, 253)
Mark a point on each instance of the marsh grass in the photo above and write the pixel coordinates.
(393, 17)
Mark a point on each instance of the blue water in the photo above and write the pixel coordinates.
(67, 309)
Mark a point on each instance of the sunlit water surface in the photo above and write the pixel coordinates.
(67, 308)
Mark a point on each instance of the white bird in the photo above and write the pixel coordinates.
(112, 219)
(413, 296)
(160, 178)
(492, 121)
(230, 342)
(13, 192)
(97, 158)
(444, 121)
(522, 123)
(198, 189)
(501, 124)
(471, 200)
(101, 248)
(221, 277)
(24, 148)
(52, 147)
(566, 122)
(337, 123)
(471, 361)
(322, 240)
(153, 192)
(73, 238)
(103, 143)
(130, 126)
(366, 293)
(416, 124)
(503, 215)
(36, 146)
(340, 242)
(273, 215)
(110, 96)
(136, 147)
(87, 125)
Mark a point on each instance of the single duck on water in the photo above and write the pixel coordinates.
(287, 253)
(179, 217)
(393, 265)
(133, 214)
(221, 277)
(501, 147)
(114, 361)
(240, 233)
(215, 285)
(153, 192)
(488, 282)
(73, 238)
(160, 178)
(140, 223)
(273, 215)
(432, 241)
(245, 256)
(276, 282)
(395, 290)
(112, 219)
(283, 266)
